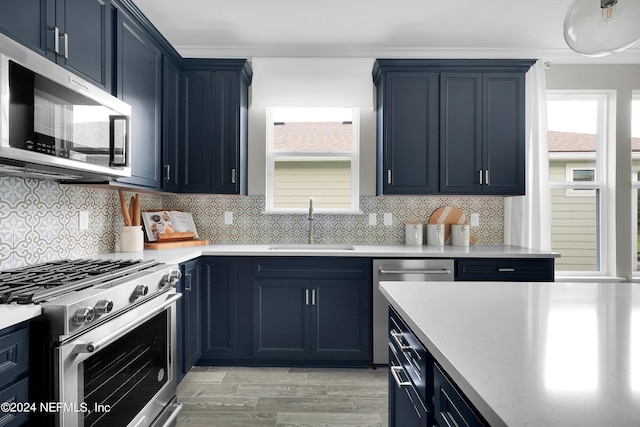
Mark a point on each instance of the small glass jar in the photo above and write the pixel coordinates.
(131, 238)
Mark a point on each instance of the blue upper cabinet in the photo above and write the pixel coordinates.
(170, 125)
(482, 133)
(451, 126)
(138, 78)
(76, 34)
(215, 97)
(408, 138)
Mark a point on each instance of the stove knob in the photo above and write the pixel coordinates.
(170, 279)
(83, 315)
(140, 291)
(103, 306)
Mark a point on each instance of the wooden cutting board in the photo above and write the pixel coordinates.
(447, 215)
(175, 244)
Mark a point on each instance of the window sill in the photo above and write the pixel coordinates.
(590, 279)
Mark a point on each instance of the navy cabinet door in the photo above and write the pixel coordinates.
(139, 85)
(88, 31)
(409, 137)
(461, 168)
(27, 21)
(197, 117)
(85, 33)
(219, 313)
(226, 141)
(482, 133)
(341, 319)
(504, 133)
(170, 125)
(405, 407)
(192, 326)
(281, 318)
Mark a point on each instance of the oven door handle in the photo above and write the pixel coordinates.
(92, 347)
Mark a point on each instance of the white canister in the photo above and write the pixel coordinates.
(413, 234)
(435, 234)
(131, 238)
(460, 234)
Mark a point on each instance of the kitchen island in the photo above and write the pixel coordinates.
(532, 354)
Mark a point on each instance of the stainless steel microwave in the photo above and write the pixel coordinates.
(55, 125)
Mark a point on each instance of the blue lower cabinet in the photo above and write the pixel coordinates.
(218, 302)
(188, 322)
(308, 311)
(406, 409)
(14, 373)
(420, 392)
(451, 409)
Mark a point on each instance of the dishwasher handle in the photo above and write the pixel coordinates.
(425, 271)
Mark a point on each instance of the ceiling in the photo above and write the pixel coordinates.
(369, 28)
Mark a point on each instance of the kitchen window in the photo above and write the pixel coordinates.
(312, 152)
(577, 180)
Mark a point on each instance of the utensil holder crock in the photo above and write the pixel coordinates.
(131, 238)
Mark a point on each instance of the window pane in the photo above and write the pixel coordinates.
(327, 181)
(584, 175)
(313, 136)
(572, 134)
(574, 230)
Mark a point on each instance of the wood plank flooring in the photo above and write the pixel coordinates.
(283, 397)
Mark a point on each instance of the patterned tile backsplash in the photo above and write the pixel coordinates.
(39, 220)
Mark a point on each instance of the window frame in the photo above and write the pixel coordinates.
(635, 187)
(601, 186)
(352, 155)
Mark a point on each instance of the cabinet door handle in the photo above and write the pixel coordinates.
(306, 296)
(396, 337)
(480, 176)
(233, 176)
(396, 377)
(313, 297)
(486, 176)
(187, 282)
(56, 39)
(167, 172)
(506, 270)
(66, 45)
(389, 176)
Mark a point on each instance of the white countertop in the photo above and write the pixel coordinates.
(533, 354)
(371, 251)
(12, 314)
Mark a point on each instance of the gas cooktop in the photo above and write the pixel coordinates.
(50, 280)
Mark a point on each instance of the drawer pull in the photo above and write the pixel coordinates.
(442, 271)
(396, 377)
(506, 270)
(396, 337)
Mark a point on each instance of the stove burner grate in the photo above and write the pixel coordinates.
(36, 283)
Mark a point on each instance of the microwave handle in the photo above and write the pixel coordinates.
(112, 142)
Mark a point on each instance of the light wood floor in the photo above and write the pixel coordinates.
(279, 397)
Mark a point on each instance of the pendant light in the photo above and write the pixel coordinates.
(599, 30)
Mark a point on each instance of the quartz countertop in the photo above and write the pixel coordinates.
(12, 314)
(533, 354)
(372, 251)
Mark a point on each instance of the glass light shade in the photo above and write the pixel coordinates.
(589, 31)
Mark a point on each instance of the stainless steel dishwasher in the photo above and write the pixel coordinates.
(400, 270)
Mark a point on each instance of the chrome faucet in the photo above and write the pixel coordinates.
(312, 235)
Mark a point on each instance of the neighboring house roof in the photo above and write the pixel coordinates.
(570, 142)
(311, 136)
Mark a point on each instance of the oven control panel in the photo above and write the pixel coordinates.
(79, 310)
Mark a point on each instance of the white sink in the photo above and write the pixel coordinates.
(308, 247)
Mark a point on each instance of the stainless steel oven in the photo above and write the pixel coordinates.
(123, 371)
(103, 352)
